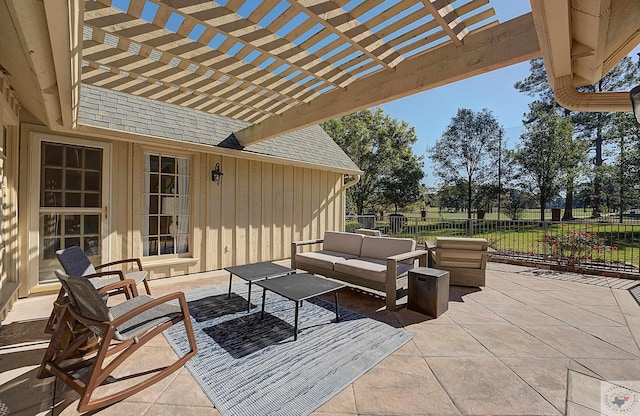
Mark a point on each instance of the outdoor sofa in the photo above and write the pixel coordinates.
(464, 258)
(362, 260)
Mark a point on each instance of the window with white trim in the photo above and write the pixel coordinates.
(166, 204)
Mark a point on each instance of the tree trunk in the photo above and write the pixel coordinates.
(469, 198)
(568, 203)
(597, 188)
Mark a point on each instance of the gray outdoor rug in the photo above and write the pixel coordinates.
(248, 366)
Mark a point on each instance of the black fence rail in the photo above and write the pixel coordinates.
(600, 245)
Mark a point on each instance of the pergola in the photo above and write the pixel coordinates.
(282, 64)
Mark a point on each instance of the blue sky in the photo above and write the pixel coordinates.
(430, 112)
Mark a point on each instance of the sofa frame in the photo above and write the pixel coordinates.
(389, 286)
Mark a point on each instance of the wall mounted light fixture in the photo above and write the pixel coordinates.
(216, 174)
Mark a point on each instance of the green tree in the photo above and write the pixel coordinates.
(597, 129)
(452, 196)
(536, 85)
(467, 149)
(544, 156)
(402, 186)
(626, 166)
(601, 128)
(378, 144)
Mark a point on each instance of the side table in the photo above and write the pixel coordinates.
(428, 291)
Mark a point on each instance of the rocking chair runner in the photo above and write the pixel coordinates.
(76, 263)
(131, 324)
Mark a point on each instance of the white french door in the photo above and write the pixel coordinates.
(72, 202)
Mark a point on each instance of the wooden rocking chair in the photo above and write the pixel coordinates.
(122, 330)
(76, 263)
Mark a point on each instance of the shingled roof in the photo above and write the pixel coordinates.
(104, 108)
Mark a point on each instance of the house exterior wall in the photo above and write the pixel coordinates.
(253, 215)
(9, 113)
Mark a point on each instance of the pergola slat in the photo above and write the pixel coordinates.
(253, 59)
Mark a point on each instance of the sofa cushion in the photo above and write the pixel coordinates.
(368, 268)
(323, 259)
(347, 243)
(383, 247)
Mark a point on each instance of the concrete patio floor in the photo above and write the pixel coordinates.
(532, 342)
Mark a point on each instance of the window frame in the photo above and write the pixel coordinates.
(146, 196)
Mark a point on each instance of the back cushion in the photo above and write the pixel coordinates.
(479, 244)
(348, 243)
(383, 247)
(74, 262)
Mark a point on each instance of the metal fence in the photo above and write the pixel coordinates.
(601, 245)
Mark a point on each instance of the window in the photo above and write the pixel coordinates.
(166, 199)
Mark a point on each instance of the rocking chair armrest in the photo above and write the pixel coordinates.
(108, 273)
(151, 304)
(127, 285)
(113, 263)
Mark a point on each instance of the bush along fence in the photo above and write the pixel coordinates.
(588, 247)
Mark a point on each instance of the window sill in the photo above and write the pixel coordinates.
(168, 262)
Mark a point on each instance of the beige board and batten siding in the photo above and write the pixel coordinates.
(261, 207)
(255, 213)
(280, 190)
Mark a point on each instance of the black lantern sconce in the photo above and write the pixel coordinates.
(216, 174)
(635, 101)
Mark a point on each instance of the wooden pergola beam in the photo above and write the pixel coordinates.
(497, 47)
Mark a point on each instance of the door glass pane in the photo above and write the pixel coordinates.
(52, 178)
(71, 179)
(74, 157)
(52, 154)
(92, 181)
(72, 199)
(92, 200)
(71, 168)
(72, 224)
(93, 159)
(92, 224)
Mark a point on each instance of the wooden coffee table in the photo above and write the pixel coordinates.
(298, 287)
(255, 272)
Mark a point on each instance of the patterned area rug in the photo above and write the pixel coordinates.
(249, 366)
(635, 292)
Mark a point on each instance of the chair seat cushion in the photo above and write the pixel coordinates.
(324, 259)
(138, 276)
(369, 268)
(144, 321)
(100, 282)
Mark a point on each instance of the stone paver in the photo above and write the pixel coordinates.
(533, 342)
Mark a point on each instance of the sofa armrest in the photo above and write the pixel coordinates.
(307, 242)
(296, 244)
(415, 254)
(392, 267)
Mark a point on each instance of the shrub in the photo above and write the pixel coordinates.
(352, 226)
(575, 246)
